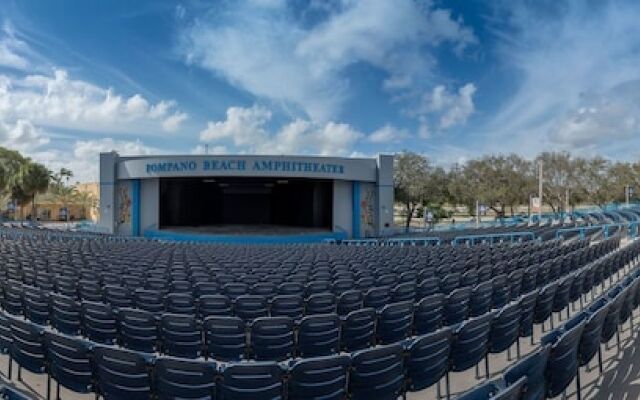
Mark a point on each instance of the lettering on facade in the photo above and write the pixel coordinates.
(242, 165)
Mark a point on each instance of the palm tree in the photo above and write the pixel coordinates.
(30, 179)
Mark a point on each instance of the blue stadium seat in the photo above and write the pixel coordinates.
(428, 359)
(428, 287)
(122, 374)
(450, 282)
(251, 306)
(395, 322)
(69, 363)
(319, 335)
(99, 322)
(225, 338)
(287, 306)
(272, 338)
(180, 303)
(617, 297)
(206, 288)
(529, 279)
(505, 328)
(118, 296)
(403, 292)
(235, 289)
(481, 299)
(149, 300)
(320, 378)
(563, 294)
(138, 330)
(377, 297)
(321, 303)
(470, 342)
(358, 329)
(252, 381)
(456, 306)
(12, 297)
(533, 367)
(36, 305)
(496, 389)
(377, 373)
(527, 304)
(514, 279)
(348, 301)
(27, 346)
(214, 305)
(501, 291)
(180, 335)
(590, 341)
(181, 379)
(544, 303)
(562, 366)
(429, 314)
(65, 314)
(469, 278)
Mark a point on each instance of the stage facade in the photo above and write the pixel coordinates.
(233, 198)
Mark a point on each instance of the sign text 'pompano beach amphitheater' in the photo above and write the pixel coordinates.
(242, 165)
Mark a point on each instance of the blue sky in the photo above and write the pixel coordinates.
(450, 79)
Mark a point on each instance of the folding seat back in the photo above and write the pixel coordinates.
(481, 299)
(287, 306)
(428, 359)
(118, 296)
(251, 306)
(149, 300)
(505, 328)
(319, 378)
(66, 286)
(319, 335)
(395, 322)
(563, 359)
(138, 330)
(321, 303)
(12, 297)
(122, 374)
(428, 287)
(594, 323)
(485, 273)
(365, 283)
(470, 342)
(562, 294)
(272, 338)
(69, 362)
(377, 373)
(501, 291)
(429, 314)
(358, 329)
(340, 286)
(65, 314)
(291, 288)
(514, 280)
(27, 347)
(99, 322)
(317, 287)
(350, 300)
(252, 381)
(206, 288)
(529, 279)
(527, 307)
(267, 289)
(387, 280)
(544, 303)
(5, 334)
(184, 379)
(377, 297)
(450, 282)
(180, 335)
(456, 306)
(404, 292)
(36, 305)
(180, 303)
(225, 338)
(628, 306)
(235, 289)
(214, 304)
(469, 278)
(180, 286)
(617, 297)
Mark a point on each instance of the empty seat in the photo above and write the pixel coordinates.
(428, 359)
(225, 338)
(428, 287)
(481, 299)
(404, 292)
(180, 335)
(377, 297)
(252, 381)
(149, 300)
(138, 329)
(319, 378)
(350, 300)
(456, 306)
(395, 322)
(429, 314)
(272, 338)
(319, 335)
(321, 303)
(118, 296)
(27, 348)
(249, 307)
(214, 304)
(377, 373)
(122, 374)
(180, 303)
(69, 363)
(287, 306)
(65, 314)
(99, 322)
(471, 342)
(182, 379)
(358, 329)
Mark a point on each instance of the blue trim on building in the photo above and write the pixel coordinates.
(135, 207)
(355, 222)
(242, 239)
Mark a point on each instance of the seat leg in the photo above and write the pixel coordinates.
(578, 388)
(618, 338)
(518, 348)
(509, 354)
(48, 387)
(552, 327)
(581, 303)
(58, 391)
(19, 373)
(486, 364)
(477, 371)
(438, 396)
(600, 358)
(568, 312)
(447, 385)
(10, 364)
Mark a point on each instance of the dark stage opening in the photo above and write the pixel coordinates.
(211, 202)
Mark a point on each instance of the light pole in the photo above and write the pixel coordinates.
(540, 191)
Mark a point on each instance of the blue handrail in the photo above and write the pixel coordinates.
(512, 236)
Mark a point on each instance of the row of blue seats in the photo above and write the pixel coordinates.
(548, 371)
(381, 372)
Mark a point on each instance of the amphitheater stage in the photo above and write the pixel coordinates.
(244, 233)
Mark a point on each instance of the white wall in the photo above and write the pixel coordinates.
(149, 204)
(342, 207)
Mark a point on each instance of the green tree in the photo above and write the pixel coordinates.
(30, 179)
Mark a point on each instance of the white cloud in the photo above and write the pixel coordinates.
(22, 135)
(246, 129)
(388, 133)
(203, 149)
(12, 49)
(61, 102)
(451, 108)
(573, 66)
(268, 52)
